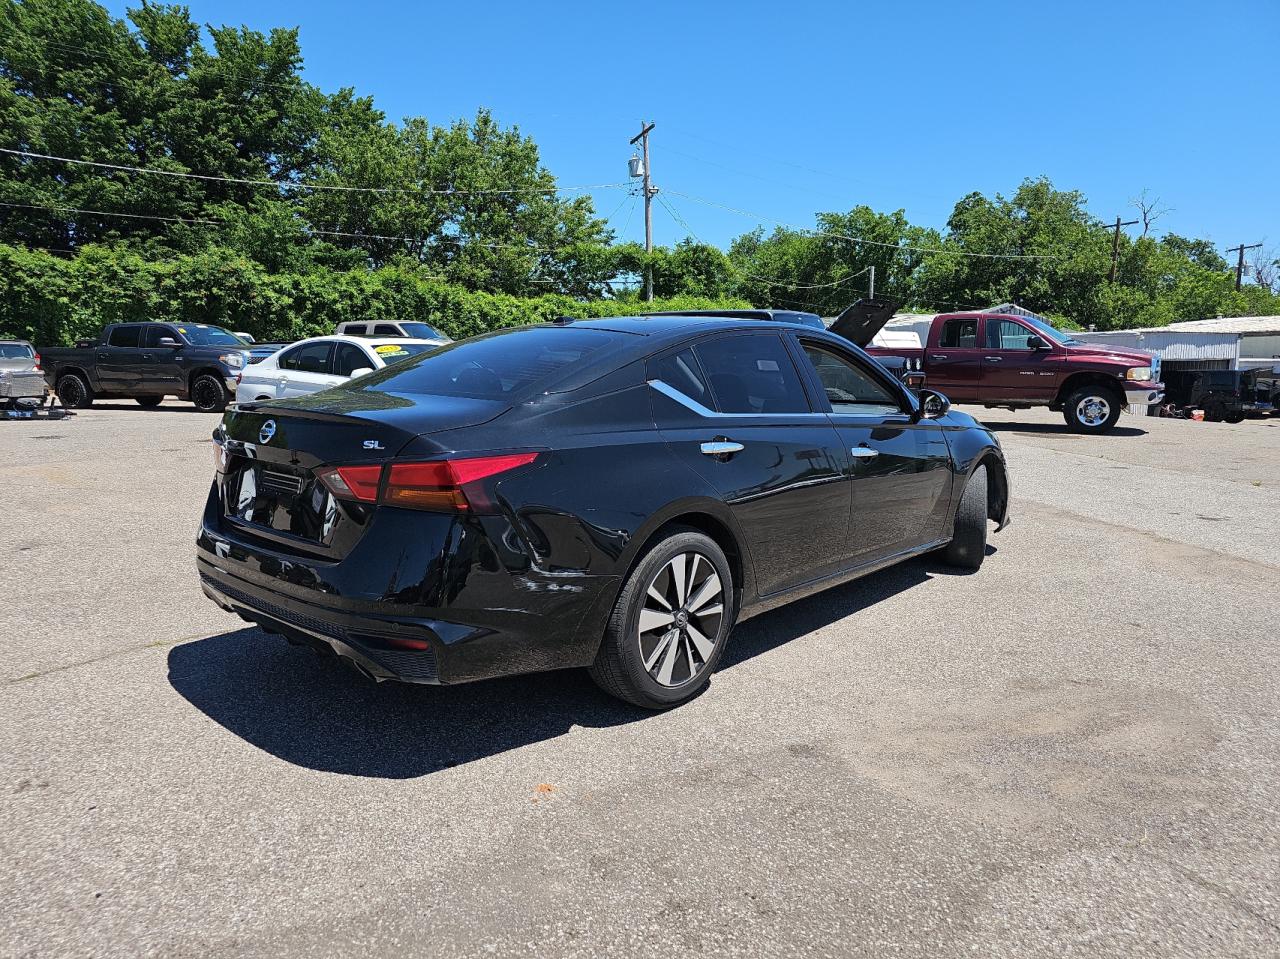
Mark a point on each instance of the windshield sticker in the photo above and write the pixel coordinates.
(389, 350)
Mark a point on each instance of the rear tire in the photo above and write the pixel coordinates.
(968, 546)
(208, 393)
(670, 624)
(148, 402)
(74, 391)
(1093, 408)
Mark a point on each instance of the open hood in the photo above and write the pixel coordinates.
(863, 320)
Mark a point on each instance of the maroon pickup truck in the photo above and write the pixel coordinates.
(1017, 362)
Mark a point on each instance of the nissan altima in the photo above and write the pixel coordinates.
(610, 494)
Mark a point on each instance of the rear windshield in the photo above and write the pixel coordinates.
(197, 334)
(398, 351)
(493, 367)
(15, 351)
(420, 331)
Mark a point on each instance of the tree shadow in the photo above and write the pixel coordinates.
(1052, 429)
(310, 711)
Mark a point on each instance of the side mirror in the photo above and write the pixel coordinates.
(360, 371)
(913, 380)
(933, 405)
(1036, 343)
(169, 341)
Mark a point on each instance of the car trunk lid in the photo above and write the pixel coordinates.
(273, 452)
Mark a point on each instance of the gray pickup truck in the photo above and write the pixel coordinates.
(147, 362)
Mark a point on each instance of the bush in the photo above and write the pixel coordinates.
(54, 301)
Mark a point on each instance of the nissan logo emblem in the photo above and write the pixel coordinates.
(268, 430)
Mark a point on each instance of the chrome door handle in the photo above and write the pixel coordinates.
(864, 452)
(992, 359)
(937, 358)
(722, 448)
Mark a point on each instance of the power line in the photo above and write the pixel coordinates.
(858, 239)
(194, 221)
(752, 276)
(297, 185)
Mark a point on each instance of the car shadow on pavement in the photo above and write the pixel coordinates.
(1056, 429)
(131, 407)
(312, 712)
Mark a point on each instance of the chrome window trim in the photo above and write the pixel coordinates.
(671, 393)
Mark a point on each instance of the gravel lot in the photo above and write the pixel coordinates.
(1073, 752)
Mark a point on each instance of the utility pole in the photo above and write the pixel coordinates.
(871, 284)
(1240, 260)
(649, 192)
(1115, 248)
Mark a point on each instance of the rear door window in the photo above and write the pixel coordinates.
(752, 373)
(386, 329)
(308, 358)
(126, 336)
(349, 358)
(681, 372)
(354, 329)
(959, 335)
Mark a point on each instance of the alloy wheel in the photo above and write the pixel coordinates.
(1093, 410)
(680, 620)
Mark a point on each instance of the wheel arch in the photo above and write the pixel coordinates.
(1089, 378)
(706, 516)
(201, 371)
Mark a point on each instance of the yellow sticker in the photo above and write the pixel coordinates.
(182, 329)
(388, 349)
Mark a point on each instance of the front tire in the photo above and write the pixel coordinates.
(1093, 409)
(208, 393)
(670, 624)
(74, 392)
(968, 546)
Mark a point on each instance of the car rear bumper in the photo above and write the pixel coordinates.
(369, 607)
(379, 649)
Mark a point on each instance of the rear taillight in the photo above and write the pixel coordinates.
(434, 485)
(353, 482)
(37, 362)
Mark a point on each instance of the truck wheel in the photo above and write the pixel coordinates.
(208, 393)
(148, 402)
(1093, 409)
(968, 546)
(1234, 417)
(670, 624)
(74, 392)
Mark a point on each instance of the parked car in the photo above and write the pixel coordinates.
(1017, 362)
(613, 494)
(147, 362)
(412, 329)
(1224, 395)
(319, 363)
(22, 384)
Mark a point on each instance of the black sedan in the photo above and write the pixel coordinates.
(613, 494)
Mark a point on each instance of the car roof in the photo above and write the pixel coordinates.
(656, 324)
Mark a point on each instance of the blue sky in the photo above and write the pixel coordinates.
(787, 109)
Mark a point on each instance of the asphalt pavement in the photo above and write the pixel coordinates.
(1073, 752)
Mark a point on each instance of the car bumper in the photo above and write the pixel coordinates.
(1144, 394)
(231, 384)
(369, 608)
